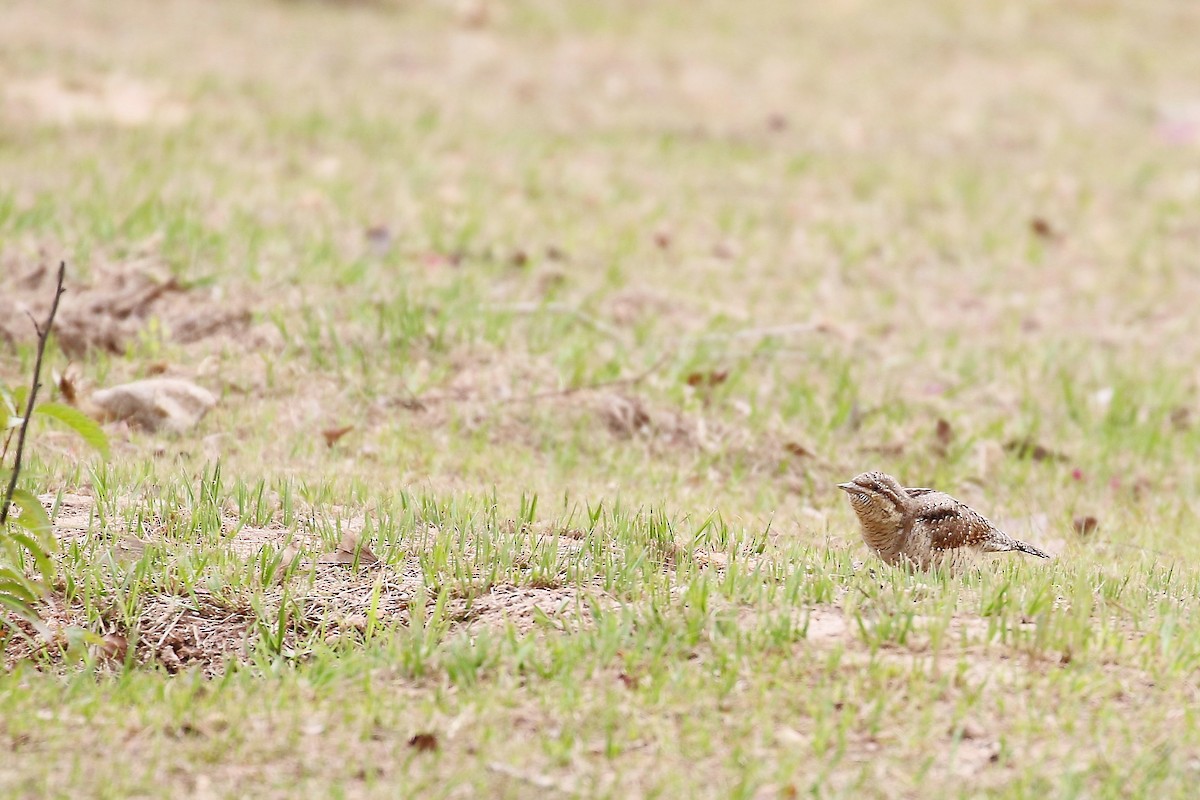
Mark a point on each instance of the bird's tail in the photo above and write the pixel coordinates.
(1028, 548)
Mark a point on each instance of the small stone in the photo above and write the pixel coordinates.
(155, 404)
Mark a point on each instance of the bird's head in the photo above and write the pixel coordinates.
(876, 498)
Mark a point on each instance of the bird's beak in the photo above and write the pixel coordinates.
(847, 487)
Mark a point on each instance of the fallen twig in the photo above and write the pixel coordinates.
(43, 334)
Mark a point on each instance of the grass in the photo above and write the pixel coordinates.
(611, 297)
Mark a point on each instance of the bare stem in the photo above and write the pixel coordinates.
(43, 334)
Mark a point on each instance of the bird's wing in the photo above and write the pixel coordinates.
(947, 524)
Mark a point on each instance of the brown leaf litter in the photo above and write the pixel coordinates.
(110, 311)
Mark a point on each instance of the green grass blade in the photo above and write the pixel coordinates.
(87, 428)
(33, 516)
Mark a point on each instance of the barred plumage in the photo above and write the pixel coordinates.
(923, 527)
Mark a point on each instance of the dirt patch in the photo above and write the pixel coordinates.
(115, 99)
(119, 302)
(505, 395)
(636, 306)
(315, 600)
(628, 416)
(74, 515)
(522, 607)
(179, 632)
(506, 392)
(826, 623)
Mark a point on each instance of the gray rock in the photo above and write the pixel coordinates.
(155, 404)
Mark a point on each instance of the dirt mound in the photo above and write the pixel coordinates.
(107, 313)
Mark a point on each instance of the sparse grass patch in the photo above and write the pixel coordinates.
(541, 332)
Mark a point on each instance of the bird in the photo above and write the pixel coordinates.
(923, 527)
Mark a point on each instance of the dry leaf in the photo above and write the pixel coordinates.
(332, 435)
(798, 450)
(130, 548)
(380, 239)
(713, 378)
(424, 742)
(289, 554)
(286, 559)
(170, 660)
(351, 549)
(630, 681)
(944, 433)
(1042, 229)
(352, 543)
(1027, 448)
(1086, 525)
(68, 387)
(113, 648)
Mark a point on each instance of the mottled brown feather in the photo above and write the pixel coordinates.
(922, 526)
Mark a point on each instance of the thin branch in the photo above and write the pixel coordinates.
(43, 335)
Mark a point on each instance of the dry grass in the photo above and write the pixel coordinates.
(572, 314)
